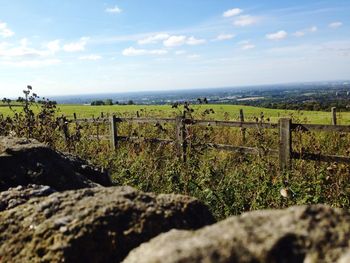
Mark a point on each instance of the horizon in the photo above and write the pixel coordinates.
(238, 88)
(63, 48)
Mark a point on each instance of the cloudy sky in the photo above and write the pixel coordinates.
(74, 47)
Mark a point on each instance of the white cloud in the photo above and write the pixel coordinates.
(33, 63)
(24, 56)
(114, 10)
(222, 37)
(192, 41)
(193, 56)
(313, 29)
(131, 51)
(232, 12)
(4, 45)
(246, 20)
(54, 46)
(175, 41)
(299, 34)
(5, 32)
(90, 57)
(157, 52)
(335, 25)
(180, 52)
(22, 51)
(246, 45)
(76, 46)
(302, 33)
(321, 49)
(153, 39)
(24, 42)
(278, 35)
(342, 48)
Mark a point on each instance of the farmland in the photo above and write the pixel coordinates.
(229, 183)
(221, 112)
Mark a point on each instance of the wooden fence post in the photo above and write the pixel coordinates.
(243, 130)
(285, 144)
(75, 116)
(334, 116)
(181, 144)
(114, 132)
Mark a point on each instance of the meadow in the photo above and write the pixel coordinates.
(229, 183)
(221, 112)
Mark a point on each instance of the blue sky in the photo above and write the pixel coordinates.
(74, 47)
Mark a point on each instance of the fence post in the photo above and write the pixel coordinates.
(75, 116)
(243, 130)
(114, 132)
(181, 144)
(334, 116)
(285, 144)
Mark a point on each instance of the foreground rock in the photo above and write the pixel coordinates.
(26, 162)
(93, 225)
(16, 196)
(307, 234)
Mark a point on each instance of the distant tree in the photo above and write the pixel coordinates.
(130, 102)
(97, 103)
(108, 102)
(117, 102)
(52, 102)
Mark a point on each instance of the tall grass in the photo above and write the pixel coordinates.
(229, 183)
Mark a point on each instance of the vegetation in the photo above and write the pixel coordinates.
(229, 183)
(101, 102)
(221, 112)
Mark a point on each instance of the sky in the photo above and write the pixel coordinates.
(63, 47)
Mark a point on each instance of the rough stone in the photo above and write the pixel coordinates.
(93, 225)
(26, 161)
(306, 234)
(345, 258)
(21, 194)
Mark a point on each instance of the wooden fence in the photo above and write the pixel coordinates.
(284, 125)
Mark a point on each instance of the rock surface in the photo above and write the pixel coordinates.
(93, 225)
(306, 234)
(24, 162)
(16, 196)
(345, 258)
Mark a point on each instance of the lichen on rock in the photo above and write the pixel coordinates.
(93, 225)
(27, 161)
(306, 234)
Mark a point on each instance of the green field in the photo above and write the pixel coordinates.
(222, 112)
(229, 183)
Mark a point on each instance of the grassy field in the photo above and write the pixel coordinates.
(221, 112)
(229, 183)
